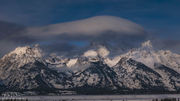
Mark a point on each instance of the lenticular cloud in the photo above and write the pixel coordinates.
(91, 26)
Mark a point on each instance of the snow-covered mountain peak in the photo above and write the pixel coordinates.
(24, 55)
(28, 51)
(20, 50)
(148, 56)
(145, 54)
(92, 55)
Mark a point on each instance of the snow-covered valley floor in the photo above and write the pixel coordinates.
(173, 97)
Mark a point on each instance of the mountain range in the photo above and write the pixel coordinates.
(138, 71)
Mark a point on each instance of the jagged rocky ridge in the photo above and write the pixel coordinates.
(141, 70)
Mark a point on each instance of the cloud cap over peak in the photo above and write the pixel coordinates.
(91, 27)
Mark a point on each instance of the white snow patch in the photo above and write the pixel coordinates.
(112, 62)
(20, 50)
(71, 62)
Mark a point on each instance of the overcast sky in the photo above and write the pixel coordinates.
(160, 18)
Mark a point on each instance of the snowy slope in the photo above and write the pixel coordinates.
(170, 77)
(135, 75)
